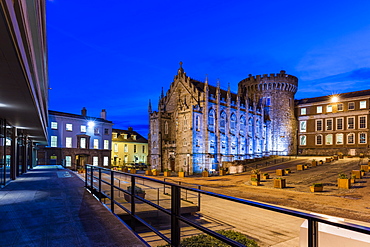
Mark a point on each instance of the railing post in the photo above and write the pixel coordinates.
(91, 177)
(99, 184)
(199, 198)
(175, 212)
(164, 186)
(85, 176)
(132, 195)
(112, 190)
(312, 233)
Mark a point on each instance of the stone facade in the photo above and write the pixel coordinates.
(199, 126)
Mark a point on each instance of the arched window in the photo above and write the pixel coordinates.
(197, 123)
(211, 120)
(302, 140)
(166, 128)
(185, 126)
(351, 138)
(242, 125)
(223, 121)
(232, 123)
(319, 140)
(250, 126)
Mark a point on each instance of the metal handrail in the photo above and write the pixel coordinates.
(176, 217)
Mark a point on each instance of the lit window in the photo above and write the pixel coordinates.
(302, 140)
(302, 126)
(340, 107)
(126, 148)
(223, 121)
(329, 139)
(319, 109)
(362, 122)
(106, 144)
(232, 123)
(68, 142)
(105, 160)
(68, 161)
(303, 111)
(351, 105)
(339, 123)
(96, 131)
(95, 161)
(134, 148)
(351, 138)
(54, 125)
(242, 125)
(69, 127)
(83, 128)
(350, 123)
(319, 125)
(96, 143)
(82, 142)
(329, 108)
(339, 139)
(362, 138)
(211, 120)
(319, 140)
(115, 147)
(329, 124)
(197, 123)
(54, 141)
(363, 104)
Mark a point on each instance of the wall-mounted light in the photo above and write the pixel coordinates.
(334, 99)
(91, 124)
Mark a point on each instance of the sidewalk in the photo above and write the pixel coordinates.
(49, 206)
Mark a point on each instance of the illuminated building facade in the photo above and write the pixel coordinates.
(76, 140)
(128, 147)
(334, 124)
(24, 86)
(198, 126)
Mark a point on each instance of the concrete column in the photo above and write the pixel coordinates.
(14, 155)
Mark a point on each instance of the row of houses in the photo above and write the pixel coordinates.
(76, 140)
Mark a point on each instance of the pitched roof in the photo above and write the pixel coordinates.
(130, 133)
(341, 96)
(65, 114)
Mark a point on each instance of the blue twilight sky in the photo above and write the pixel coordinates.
(118, 54)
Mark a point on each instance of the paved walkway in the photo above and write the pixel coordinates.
(49, 206)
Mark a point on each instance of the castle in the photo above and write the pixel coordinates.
(198, 126)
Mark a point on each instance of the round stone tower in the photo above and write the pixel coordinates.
(275, 93)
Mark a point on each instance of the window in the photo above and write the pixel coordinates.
(351, 106)
(197, 142)
(68, 127)
(351, 138)
(185, 125)
(340, 107)
(319, 125)
(82, 142)
(106, 131)
(268, 101)
(184, 142)
(329, 139)
(96, 131)
(223, 121)
(223, 144)
(329, 108)
(126, 148)
(134, 148)
(115, 147)
(54, 125)
(329, 124)
(166, 128)
(106, 144)
(242, 125)
(303, 111)
(83, 128)
(362, 122)
(232, 123)
(363, 104)
(302, 140)
(68, 161)
(319, 109)
(362, 138)
(339, 123)
(53, 141)
(95, 161)
(143, 149)
(350, 123)
(96, 143)
(319, 140)
(105, 160)
(68, 142)
(302, 126)
(339, 139)
(197, 123)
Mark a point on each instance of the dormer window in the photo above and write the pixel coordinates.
(124, 136)
(133, 137)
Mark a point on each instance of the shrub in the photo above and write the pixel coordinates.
(137, 190)
(256, 171)
(206, 240)
(342, 176)
(265, 174)
(255, 179)
(317, 185)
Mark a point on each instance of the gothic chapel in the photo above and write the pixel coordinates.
(198, 126)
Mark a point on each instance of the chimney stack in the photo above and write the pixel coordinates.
(83, 112)
(103, 114)
(130, 129)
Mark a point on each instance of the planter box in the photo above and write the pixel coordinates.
(328, 160)
(335, 158)
(287, 171)
(357, 173)
(279, 183)
(125, 170)
(353, 180)
(181, 174)
(155, 173)
(133, 171)
(167, 173)
(321, 162)
(280, 172)
(205, 174)
(340, 156)
(148, 172)
(365, 168)
(128, 197)
(255, 183)
(300, 167)
(222, 172)
(344, 183)
(349, 156)
(314, 163)
(266, 176)
(316, 189)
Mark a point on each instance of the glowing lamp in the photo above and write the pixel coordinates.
(334, 99)
(91, 124)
